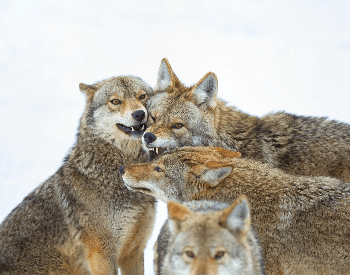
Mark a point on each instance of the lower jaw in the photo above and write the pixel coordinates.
(133, 134)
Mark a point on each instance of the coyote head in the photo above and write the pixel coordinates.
(210, 243)
(116, 107)
(181, 174)
(181, 116)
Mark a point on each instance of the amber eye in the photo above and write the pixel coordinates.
(115, 101)
(190, 254)
(177, 126)
(142, 97)
(158, 169)
(219, 255)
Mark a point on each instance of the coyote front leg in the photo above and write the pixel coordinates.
(133, 264)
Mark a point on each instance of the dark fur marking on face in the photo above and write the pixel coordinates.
(90, 114)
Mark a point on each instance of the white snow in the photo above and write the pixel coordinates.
(267, 55)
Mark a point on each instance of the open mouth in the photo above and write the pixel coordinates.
(154, 152)
(134, 130)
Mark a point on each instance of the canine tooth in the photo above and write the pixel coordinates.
(157, 150)
(143, 127)
(132, 128)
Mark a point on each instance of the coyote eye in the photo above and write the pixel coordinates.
(115, 101)
(154, 119)
(177, 126)
(142, 97)
(219, 255)
(190, 254)
(158, 169)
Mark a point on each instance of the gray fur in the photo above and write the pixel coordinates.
(83, 220)
(165, 241)
(300, 145)
(302, 222)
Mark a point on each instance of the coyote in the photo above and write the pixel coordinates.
(302, 222)
(83, 220)
(208, 242)
(193, 116)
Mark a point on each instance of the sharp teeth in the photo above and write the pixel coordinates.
(157, 150)
(143, 127)
(132, 128)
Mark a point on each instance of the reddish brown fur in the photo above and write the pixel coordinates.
(204, 266)
(96, 257)
(177, 211)
(302, 222)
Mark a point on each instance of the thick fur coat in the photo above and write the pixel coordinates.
(83, 220)
(194, 116)
(206, 237)
(302, 222)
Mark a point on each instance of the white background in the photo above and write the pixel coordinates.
(268, 56)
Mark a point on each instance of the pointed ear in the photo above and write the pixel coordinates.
(236, 217)
(87, 90)
(166, 77)
(205, 91)
(177, 213)
(214, 176)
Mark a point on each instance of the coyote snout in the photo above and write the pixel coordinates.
(138, 124)
(216, 238)
(302, 222)
(149, 138)
(194, 116)
(117, 107)
(82, 220)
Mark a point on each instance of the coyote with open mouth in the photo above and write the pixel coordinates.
(83, 220)
(194, 116)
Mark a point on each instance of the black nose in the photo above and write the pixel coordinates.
(121, 169)
(138, 115)
(149, 137)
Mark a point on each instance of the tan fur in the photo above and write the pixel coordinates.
(309, 146)
(212, 229)
(177, 211)
(302, 222)
(96, 256)
(83, 220)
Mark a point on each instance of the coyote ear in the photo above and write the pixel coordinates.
(177, 213)
(236, 217)
(87, 90)
(166, 77)
(214, 176)
(205, 91)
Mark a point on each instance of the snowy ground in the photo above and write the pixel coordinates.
(268, 56)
